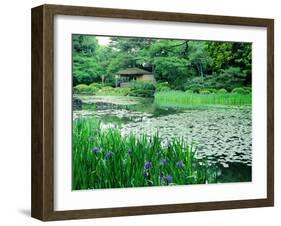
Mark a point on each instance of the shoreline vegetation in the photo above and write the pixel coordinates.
(105, 159)
(173, 98)
(182, 99)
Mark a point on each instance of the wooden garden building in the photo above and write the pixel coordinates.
(138, 74)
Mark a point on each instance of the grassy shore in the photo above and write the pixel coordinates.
(185, 99)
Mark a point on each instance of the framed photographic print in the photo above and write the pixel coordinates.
(141, 112)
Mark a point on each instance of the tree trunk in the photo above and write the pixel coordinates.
(200, 70)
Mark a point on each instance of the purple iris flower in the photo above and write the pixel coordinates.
(108, 155)
(96, 150)
(167, 178)
(147, 165)
(180, 164)
(163, 162)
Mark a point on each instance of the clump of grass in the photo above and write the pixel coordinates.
(110, 91)
(185, 99)
(105, 159)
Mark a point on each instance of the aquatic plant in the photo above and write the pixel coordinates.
(113, 161)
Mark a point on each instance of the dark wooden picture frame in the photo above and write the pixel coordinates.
(42, 203)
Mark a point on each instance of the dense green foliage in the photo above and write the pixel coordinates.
(100, 90)
(186, 99)
(183, 64)
(87, 89)
(141, 89)
(162, 86)
(86, 67)
(82, 88)
(105, 159)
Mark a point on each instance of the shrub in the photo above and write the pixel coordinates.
(141, 89)
(107, 88)
(122, 91)
(188, 91)
(93, 89)
(212, 90)
(109, 91)
(194, 89)
(163, 89)
(106, 91)
(163, 86)
(227, 78)
(82, 88)
(194, 84)
(96, 85)
(240, 90)
(230, 78)
(249, 89)
(87, 89)
(204, 91)
(222, 91)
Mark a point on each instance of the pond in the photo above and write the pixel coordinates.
(221, 135)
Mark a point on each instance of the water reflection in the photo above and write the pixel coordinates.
(232, 173)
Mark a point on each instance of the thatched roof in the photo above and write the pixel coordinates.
(133, 71)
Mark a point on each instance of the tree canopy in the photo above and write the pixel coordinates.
(182, 63)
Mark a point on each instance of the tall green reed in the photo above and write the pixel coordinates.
(184, 99)
(105, 159)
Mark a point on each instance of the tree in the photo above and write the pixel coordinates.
(233, 60)
(176, 61)
(86, 68)
(85, 44)
(171, 69)
(221, 54)
(181, 63)
(198, 56)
